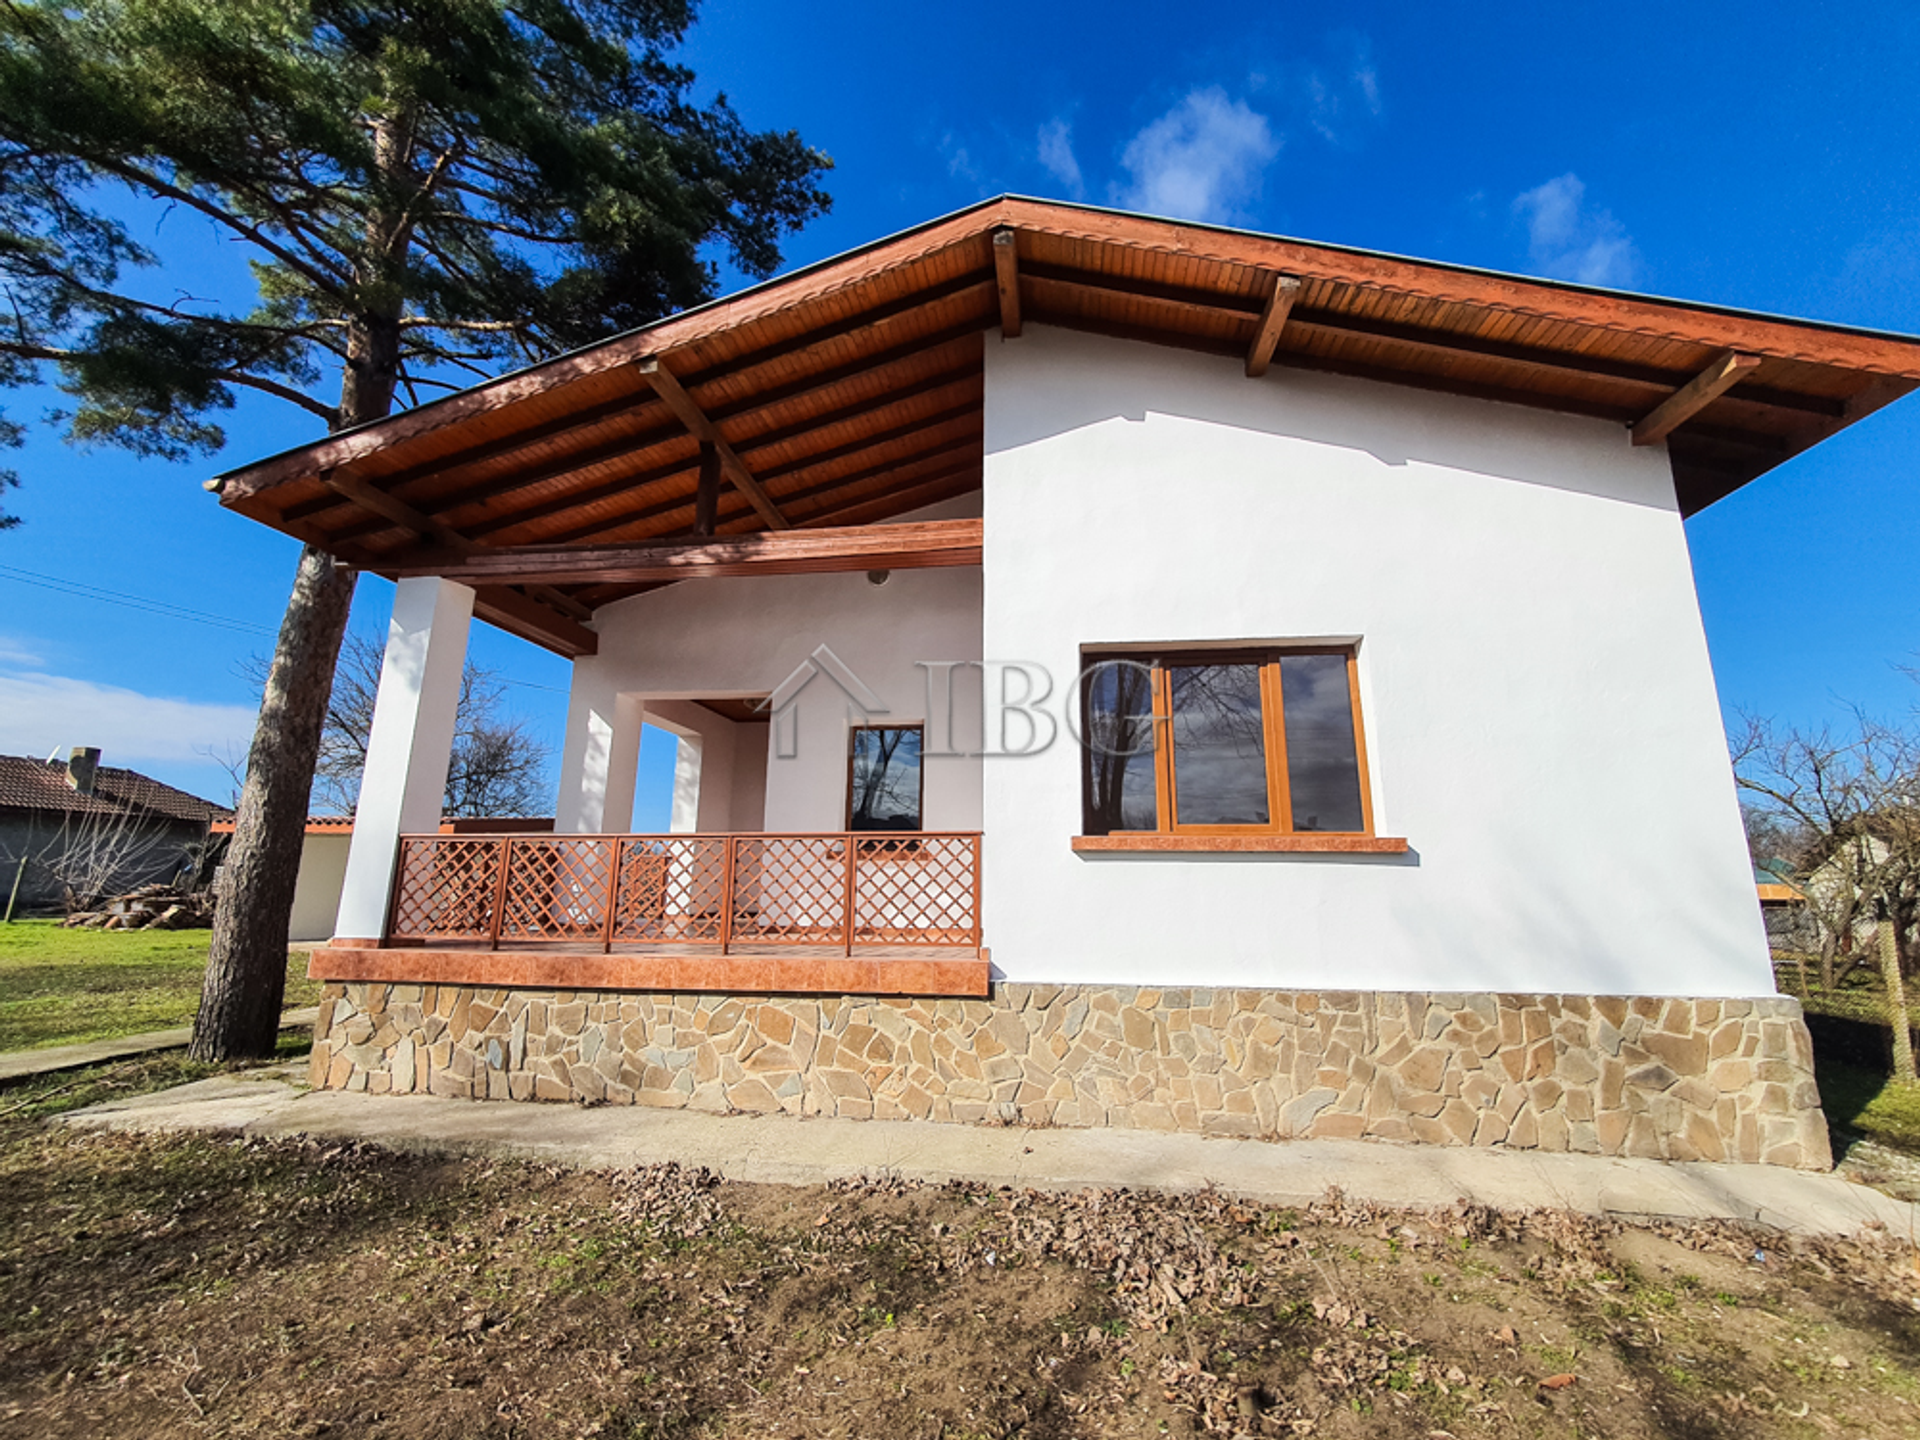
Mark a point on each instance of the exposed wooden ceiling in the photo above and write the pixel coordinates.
(850, 392)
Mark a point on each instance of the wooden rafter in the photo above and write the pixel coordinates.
(962, 451)
(921, 545)
(1006, 276)
(544, 614)
(1273, 319)
(695, 419)
(868, 322)
(633, 487)
(1333, 324)
(522, 615)
(1767, 449)
(706, 495)
(1693, 397)
(629, 482)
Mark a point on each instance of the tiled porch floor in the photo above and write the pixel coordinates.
(746, 968)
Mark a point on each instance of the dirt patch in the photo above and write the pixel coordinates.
(195, 1287)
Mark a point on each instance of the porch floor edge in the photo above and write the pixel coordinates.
(944, 972)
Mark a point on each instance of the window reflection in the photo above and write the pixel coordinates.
(885, 790)
(1219, 745)
(1323, 768)
(1118, 751)
(1227, 739)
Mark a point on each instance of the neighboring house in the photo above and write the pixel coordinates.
(1334, 621)
(78, 831)
(1783, 908)
(323, 867)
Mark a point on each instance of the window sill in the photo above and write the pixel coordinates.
(1245, 844)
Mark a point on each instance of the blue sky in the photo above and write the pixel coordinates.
(1759, 156)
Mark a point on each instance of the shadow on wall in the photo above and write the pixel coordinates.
(1539, 935)
(1542, 931)
(1396, 425)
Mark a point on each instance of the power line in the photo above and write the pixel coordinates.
(164, 608)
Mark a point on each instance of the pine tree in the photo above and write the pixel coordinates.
(428, 190)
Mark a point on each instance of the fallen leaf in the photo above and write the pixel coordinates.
(1558, 1382)
(1505, 1336)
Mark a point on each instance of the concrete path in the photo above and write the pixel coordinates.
(785, 1150)
(19, 1064)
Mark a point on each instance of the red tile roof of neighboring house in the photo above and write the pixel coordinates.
(30, 784)
(316, 825)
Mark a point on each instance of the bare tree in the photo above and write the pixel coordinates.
(93, 855)
(1117, 702)
(498, 766)
(878, 788)
(1851, 803)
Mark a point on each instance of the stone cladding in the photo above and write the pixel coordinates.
(1679, 1079)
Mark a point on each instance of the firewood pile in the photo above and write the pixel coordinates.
(151, 907)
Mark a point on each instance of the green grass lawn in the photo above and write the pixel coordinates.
(1867, 1101)
(59, 987)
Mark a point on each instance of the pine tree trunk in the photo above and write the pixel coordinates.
(1896, 989)
(246, 980)
(247, 970)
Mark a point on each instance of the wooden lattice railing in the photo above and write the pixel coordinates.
(601, 891)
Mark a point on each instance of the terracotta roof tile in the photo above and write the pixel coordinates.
(30, 784)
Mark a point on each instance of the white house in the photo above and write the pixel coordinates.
(1127, 673)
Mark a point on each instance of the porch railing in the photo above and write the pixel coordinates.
(832, 890)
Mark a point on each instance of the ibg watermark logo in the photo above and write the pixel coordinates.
(979, 709)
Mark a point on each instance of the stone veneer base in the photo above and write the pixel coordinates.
(1677, 1079)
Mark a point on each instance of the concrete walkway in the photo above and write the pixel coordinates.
(20, 1064)
(780, 1149)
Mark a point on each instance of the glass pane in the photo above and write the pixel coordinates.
(1323, 772)
(886, 779)
(1219, 745)
(1117, 755)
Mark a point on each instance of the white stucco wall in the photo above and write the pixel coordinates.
(316, 891)
(728, 638)
(1540, 713)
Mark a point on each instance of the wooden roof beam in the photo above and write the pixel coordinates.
(1693, 397)
(1006, 276)
(544, 616)
(870, 320)
(695, 419)
(922, 545)
(520, 614)
(1273, 319)
(1341, 325)
(631, 485)
(506, 519)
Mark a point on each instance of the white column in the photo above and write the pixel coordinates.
(405, 778)
(599, 761)
(688, 763)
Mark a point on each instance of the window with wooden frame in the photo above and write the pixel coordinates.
(883, 777)
(1242, 742)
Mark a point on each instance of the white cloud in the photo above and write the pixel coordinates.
(42, 713)
(1056, 154)
(16, 652)
(1570, 240)
(1202, 160)
(959, 163)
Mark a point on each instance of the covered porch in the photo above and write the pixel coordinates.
(846, 912)
(773, 875)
